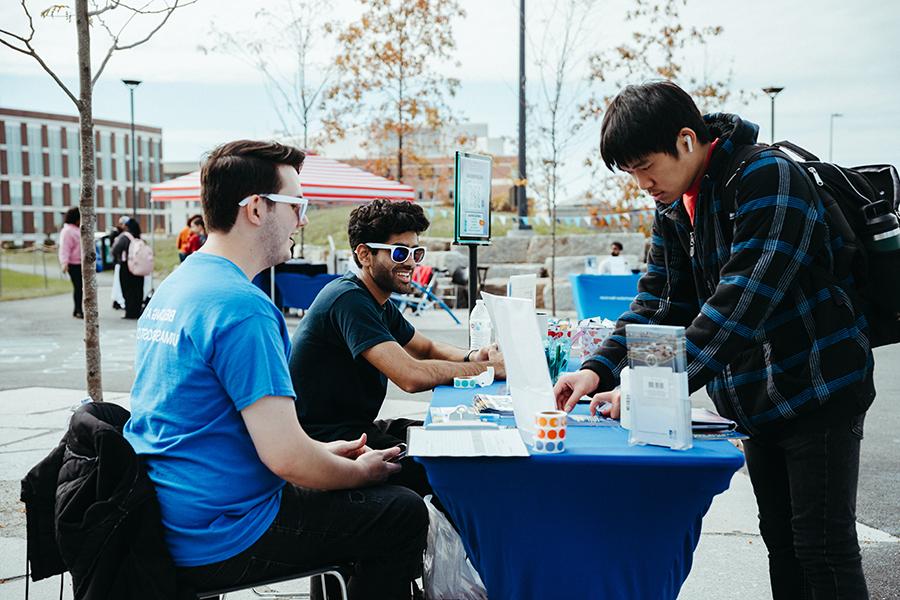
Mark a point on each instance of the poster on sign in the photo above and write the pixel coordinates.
(472, 199)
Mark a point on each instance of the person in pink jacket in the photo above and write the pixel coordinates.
(70, 255)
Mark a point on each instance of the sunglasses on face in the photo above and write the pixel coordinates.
(400, 254)
(299, 202)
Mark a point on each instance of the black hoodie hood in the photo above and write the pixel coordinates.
(732, 132)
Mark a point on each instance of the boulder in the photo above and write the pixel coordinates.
(508, 269)
(598, 244)
(507, 249)
(564, 301)
(566, 265)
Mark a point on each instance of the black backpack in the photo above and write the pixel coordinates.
(860, 202)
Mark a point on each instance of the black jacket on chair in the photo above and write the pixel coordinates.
(107, 524)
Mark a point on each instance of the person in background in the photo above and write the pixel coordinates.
(132, 285)
(184, 237)
(615, 263)
(118, 300)
(70, 256)
(198, 235)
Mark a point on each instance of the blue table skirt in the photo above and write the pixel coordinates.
(602, 520)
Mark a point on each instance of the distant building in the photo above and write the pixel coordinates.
(40, 172)
(433, 181)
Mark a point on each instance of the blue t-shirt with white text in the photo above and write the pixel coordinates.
(209, 344)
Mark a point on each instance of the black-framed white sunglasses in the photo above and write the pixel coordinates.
(299, 201)
(400, 254)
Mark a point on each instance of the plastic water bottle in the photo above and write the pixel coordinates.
(479, 327)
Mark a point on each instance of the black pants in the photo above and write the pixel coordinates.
(381, 530)
(380, 435)
(132, 291)
(805, 479)
(77, 289)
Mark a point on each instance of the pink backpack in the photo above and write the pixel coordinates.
(140, 257)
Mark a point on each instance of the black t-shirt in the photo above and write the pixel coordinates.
(333, 382)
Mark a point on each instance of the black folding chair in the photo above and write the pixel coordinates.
(321, 572)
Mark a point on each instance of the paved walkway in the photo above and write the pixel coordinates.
(40, 347)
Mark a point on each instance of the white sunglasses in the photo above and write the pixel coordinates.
(299, 201)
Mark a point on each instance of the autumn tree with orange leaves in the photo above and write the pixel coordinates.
(389, 87)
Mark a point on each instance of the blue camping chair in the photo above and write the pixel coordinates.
(606, 296)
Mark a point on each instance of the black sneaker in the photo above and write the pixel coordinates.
(116, 305)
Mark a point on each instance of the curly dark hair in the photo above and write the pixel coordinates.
(380, 219)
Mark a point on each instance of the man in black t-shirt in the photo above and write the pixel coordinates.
(353, 339)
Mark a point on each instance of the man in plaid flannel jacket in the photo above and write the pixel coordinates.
(741, 257)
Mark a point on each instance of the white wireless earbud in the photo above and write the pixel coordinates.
(690, 144)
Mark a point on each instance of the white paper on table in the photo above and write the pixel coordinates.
(523, 286)
(464, 442)
(523, 355)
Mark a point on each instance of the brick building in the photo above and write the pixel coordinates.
(40, 175)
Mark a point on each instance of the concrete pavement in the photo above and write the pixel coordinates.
(42, 375)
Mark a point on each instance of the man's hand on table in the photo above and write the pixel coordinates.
(608, 404)
(572, 386)
(492, 355)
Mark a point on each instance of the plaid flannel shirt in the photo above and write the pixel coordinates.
(768, 331)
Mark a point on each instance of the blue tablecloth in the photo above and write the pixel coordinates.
(602, 520)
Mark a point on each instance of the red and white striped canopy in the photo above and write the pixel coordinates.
(324, 181)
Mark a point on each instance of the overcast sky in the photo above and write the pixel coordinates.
(831, 57)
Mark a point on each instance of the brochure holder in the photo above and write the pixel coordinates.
(658, 407)
(657, 399)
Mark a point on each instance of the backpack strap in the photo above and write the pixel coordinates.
(743, 156)
(801, 152)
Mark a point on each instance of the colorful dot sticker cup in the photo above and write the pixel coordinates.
(550, 432)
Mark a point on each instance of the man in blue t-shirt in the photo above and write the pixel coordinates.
(353, 339)
(213, 414)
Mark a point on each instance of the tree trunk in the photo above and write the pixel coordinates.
(86, 205)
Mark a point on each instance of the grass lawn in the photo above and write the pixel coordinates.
(18, 286)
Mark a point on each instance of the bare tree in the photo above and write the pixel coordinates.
(85, 16)
(295, 27)
(561, 64)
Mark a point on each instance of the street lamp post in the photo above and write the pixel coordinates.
(831, 135)
(131, 84)
(521, 184)
(772, 92)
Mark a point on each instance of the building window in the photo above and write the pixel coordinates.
(74, 155)
(57, 194)
(37, 195)
(35, 162)
(106, 155)
(15, 196)
(55, 153)
(13, 149)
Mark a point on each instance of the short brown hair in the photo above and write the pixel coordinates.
(239, 169)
